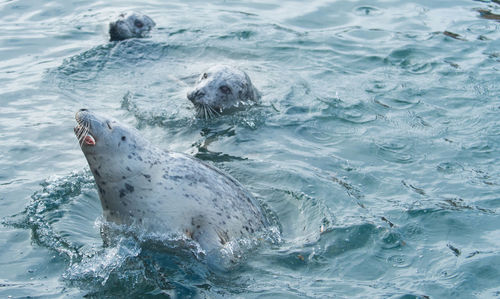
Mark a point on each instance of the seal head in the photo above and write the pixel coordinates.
(130, 25)
(222, 88)
(164, 192)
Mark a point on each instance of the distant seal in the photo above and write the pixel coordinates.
(221, 88)
(164, 192)
(130, 25)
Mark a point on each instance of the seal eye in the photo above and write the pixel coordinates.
(204, 76)
(225, 89)
(138, 24)
(124, 138)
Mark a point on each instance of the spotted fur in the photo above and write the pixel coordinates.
(222, 88)
(162, 191)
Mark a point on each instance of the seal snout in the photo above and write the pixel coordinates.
(82, 129)
(195, 95)
(80, 115)
(113, 32)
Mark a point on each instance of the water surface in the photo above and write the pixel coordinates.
(375, 145)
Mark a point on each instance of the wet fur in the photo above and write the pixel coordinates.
(165, 192)
(130, 25)
(220, 89)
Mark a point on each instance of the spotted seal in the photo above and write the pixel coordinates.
(164, 192)
(129, 25)
(221, 88)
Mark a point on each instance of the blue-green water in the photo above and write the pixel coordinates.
(376, 145)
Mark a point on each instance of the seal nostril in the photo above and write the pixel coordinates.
(195, 95)
(83, 109)
(199, 94)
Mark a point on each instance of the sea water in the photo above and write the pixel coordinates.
(375, 147)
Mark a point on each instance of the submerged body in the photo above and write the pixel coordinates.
(222, 88)
(130, 25)
(164, 192)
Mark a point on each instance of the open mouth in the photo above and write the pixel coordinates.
(84, 136)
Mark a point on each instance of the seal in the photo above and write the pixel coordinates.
(130, 25)
(164, 192)
(222, 88)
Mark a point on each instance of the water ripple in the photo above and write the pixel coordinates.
(395, 150)
(367, 11)
(374, 145)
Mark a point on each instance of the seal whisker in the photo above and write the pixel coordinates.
(205, 110)
(82, 132)
(85, 133)
(198, 110)
(82, 135)
(209, 112)
(212, 112)
(215, 113)
(79, 132)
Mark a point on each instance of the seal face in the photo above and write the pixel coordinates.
(130, 25)
(164, 192)
(221, 88)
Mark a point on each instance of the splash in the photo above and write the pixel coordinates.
(48, 207)
(105, 258)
